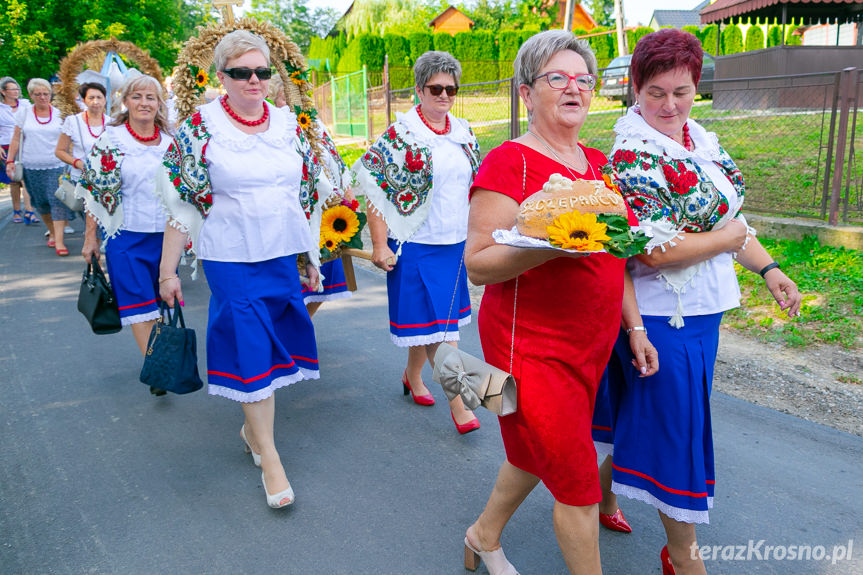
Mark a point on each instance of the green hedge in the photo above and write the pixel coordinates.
(732, 40)
(420, 43)
(790, 39)
(480, 49)
(604, 46)
(364, 49)
(633, 36)
(774, 36)
(443, 42)
(694, 30)
(327, 49)
(708, 39)
(754, 38)
(398, 50)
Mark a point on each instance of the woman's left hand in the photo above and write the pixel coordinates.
(784, 291)
(314, 278)
(645, 357)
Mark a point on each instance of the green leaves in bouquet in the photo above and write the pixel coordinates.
(623, 243)
(357, 240)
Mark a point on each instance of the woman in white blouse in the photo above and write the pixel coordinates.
(80, 131)
(9, 104)
(40, 124)
(416, 178)
(117, 184)
(233, 183)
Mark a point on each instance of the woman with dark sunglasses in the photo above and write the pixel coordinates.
(416, 178)
(241, 183)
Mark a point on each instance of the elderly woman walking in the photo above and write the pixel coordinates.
(549, 317)
(248, 226)
(80, 131)
(9, 104)
(40, 126)
(680, 181)
(416, 179)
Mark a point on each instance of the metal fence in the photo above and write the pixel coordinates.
(795, 137)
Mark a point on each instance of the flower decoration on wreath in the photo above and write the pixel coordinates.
(285, 57)
(341, 225)
(201, 78)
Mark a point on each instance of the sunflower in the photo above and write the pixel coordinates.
(297, 77)
(340, 224)
(304, 120)
(201, 79)
(327, 241)
(578, 231)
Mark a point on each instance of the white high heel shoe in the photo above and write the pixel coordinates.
(495, 561)
(256, 457)
(282, 499)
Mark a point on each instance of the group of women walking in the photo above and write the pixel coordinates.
(432, 208)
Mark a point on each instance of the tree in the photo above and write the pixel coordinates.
(398, 16)
(36, 34)
(754, 38)
(602, 11)
(295, 17)
(494, 15)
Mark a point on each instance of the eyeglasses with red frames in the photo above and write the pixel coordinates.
(560, 80)
(437, 89)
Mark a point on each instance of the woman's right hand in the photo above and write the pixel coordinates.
(383, 257)
(171, 291)
(90, 250)
(736, 232)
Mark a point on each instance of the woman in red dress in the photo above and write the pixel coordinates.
(548, 317)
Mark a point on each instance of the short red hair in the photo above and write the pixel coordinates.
(664, 50)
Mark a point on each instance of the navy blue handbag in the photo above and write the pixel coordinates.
(171, 362)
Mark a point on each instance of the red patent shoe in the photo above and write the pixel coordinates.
(667, 567)
(463, 428)
(427, 399)
(616, 522)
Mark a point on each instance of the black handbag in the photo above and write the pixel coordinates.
(171, 362)
(97, 302)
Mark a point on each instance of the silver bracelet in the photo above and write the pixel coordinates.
(637, 328)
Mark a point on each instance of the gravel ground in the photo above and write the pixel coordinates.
(798, 381)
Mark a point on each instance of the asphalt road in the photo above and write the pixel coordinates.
(99, 477)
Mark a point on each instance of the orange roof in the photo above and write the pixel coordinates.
(449, 12)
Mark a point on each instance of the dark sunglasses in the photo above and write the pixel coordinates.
(436, 89)
(246, 73)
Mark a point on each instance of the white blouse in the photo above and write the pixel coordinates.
(142, 211)
(256, 213)
(7, 120)
(451, 174)
(40, 139)
(76, 128)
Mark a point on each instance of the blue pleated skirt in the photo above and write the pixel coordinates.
(133, 268)
(663, 439)
(335, 284)
(259, 334)
(420, 290)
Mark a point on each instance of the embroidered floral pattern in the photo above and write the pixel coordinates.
(660, 188)
(312, 168)
(405, 184)
(102, 178)
(189, 175)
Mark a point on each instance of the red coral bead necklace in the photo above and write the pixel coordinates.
(89, 129)
(50, 115)
(234, 115)
(141, 138)
(687, 140)
(430, 127)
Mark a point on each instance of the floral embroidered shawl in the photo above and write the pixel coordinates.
(184, 187)
(668, 191)
(100, 183)
(395, 174)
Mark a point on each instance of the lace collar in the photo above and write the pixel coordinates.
(458, 132)
(121, 138)
(279, 134)
(633, 125)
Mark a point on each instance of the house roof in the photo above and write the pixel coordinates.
(448, 12)
(676, 18)
(807, 10)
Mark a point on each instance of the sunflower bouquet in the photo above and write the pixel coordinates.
(341, 225)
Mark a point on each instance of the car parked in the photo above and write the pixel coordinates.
(614, 82)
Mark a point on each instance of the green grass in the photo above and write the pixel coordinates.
(831, 280)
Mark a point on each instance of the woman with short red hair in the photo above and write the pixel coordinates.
(679, 181)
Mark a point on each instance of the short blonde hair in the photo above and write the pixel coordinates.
(140, 83)
(237, 43)
(35, 83)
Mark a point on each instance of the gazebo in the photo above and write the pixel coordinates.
(808, 11)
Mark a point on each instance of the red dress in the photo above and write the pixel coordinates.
(568, 316)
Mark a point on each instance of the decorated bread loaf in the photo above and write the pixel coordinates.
(560, 195)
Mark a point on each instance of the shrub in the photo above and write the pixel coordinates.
(444, 42)
(398, 50)
(732, 40)
(754, 38)
(774, 36)
(420, 43)
(693, 30)
(477, 52)
(364, 49)
(324, 49)
(790, 39)
(709, 34)
(633, 36)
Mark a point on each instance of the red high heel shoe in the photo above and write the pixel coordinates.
(463, 428)
(427, 399)
(616, 522)
(667, 567)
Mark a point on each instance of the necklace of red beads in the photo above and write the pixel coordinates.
(50, 115)
(234, 115)
(432, 128)
(89, 129)
(142, 138)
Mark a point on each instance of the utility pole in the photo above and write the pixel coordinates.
(622, 50)
(567, 19)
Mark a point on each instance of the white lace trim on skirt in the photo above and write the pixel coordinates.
(676, 513)
(264, 393)
(327, 297)
(140, 318)
(437, 337)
